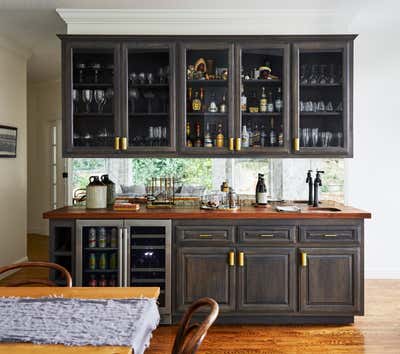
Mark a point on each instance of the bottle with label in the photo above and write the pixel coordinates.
(196, 102)
(113, 261)
(243, 102)
(114, 238)
(92, 238)
(102, 237)
(263, 100)
(213, 108)
(253, 103)
(220, 136)
(207, 137)
(270, 105)
(250, 131)
(272, 134)
(222, 106)
(245, 137)
(197, 140)
(263, 136)
(261, 191)
(188, 140)
(278, 100)
(256, 141)
(92, 261)
(281, 139)
(103, 261)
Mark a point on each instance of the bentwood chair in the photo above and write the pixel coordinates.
(46, 282)
(190, 336)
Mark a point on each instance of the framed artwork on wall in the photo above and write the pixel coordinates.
(8, 141)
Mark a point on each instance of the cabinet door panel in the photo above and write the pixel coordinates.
(267, 280)
(330, 282)
(205, 272)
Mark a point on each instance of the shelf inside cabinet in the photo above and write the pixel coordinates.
(101, 270)
(154, 85)
(207, 82)
(207, 114)
(321, 85)
(91, 85)
(142, 269)
(260, 114)
(100, 249)
(155, 114)
(322, 114)
(94, 114)
(261, 81)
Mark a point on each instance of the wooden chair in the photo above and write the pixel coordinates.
(190, 336)
(46, 282)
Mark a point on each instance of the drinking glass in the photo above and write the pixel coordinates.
(142, 78)
(302, 106)
(329, 137)
(323, 79)
(161, 75)
(309, 106)
(314, 137)
(339, 139)
(132, 78)
(315, 106)
(81, 72)
(100, 98)
(331, 76)
(75, 98)
(303, 75)
(133, 95)
(305, 136)
(329, 107)
(164, 135)
(149, 96)
(96, 68)
(150, 78)
(339, 107)
(313, 79)
(87, 97)
(321, 106)
(151, 135)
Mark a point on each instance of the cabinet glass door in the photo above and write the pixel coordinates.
(99, 253)
(148, 96)
(92, 97)
(322, 98)
(207, 109)
(263, 98)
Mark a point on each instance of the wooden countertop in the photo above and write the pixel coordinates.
(78, 292)
(346, 212)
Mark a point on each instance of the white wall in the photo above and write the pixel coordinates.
(13, 182)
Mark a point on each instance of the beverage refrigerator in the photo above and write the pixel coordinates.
(126, 253)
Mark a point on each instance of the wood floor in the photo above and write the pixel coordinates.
(377, 332)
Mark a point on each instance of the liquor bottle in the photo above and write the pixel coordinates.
(102, 261)
(220, 136)
(102, 238)
(212, 107)
(93, 280)
(113, 261)
(256, 137)
(245, 137)
(222, 106)
(202, 100)
(189, 100)
(92, 241)
(280, 136)
(263, 136)
(207, 137)
(196, 102)
(261, 191)
(188, 140)
(102, 281)
(263, 100)
(278, 100)
(92, 261)
(243, 102)
(270, 105)
(253, 103)
(249, 130)
(272, 134)
(197, 141)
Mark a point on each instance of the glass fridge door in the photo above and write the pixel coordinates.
(99, 253)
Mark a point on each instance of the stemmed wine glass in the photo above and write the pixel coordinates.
(87, 97)
(305, 136)
(150, 78)
(99, 97)
(109, 95)
(314, 137)
(75, 98)
(149, 95)
(133, 95)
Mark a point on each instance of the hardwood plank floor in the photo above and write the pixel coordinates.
(377, 332)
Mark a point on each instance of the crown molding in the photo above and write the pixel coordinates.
(200, 21)
(15, 48)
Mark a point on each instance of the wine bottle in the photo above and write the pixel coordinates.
(197, 141)
(213, 108)
(278, 100)
(272, 134)
(243, 102)
(263, 136)
(263, 100)
(270, 105)
(188, 140)
(253, 103)
(245, 137)
(220, 137)
(256, 137)
(207, 137)
(222, 106)
(261, 191)
(280, 136)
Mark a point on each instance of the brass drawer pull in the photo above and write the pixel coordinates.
(231, 144)
(124, 143)
(266, 235)
(231, 260)
(296, 144)
(303, 259)
(330, 235)
(116, 143)
(241, 259)
(205, 235)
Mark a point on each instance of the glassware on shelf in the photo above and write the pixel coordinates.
(320, 106)
(149, 96)
(323, 78)
(87, 97)
(161, 75)
(302, 106)
(96, 69)
(314, 137)
(339, 139)
(132, 78)
(329, 107)
(133, 95)
(326, 138)
(81, 72)
(304, 74)
(142, 78)
(100, 99)
(150, 78)
(339, 107)
(75, 99)
(305, 136)
(313, 79)
(331, 77)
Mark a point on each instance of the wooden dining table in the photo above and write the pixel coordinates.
(75, 292)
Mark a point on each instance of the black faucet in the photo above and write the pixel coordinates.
(317, 182)
(310, 187)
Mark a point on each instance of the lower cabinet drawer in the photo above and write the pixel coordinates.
(331, 233)
(267, 234)
(205, 233)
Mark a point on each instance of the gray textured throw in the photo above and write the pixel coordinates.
(54, 320)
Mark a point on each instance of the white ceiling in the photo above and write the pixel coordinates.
(34, 24)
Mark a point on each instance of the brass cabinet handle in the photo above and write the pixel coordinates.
(241, 259)
(330, 235)
(231, 261)
(238, 144)
(205, 235)
(303, 259)
(231, 144)
(116, 143)
(296, 144)
(124, 143)
(266, 235)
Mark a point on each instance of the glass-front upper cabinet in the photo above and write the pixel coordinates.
(262, 96)
(91, 96)
(322, 92)
(148, 97)
(207, 108)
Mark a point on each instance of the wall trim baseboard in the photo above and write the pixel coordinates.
(5, 275)
(382, 273)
